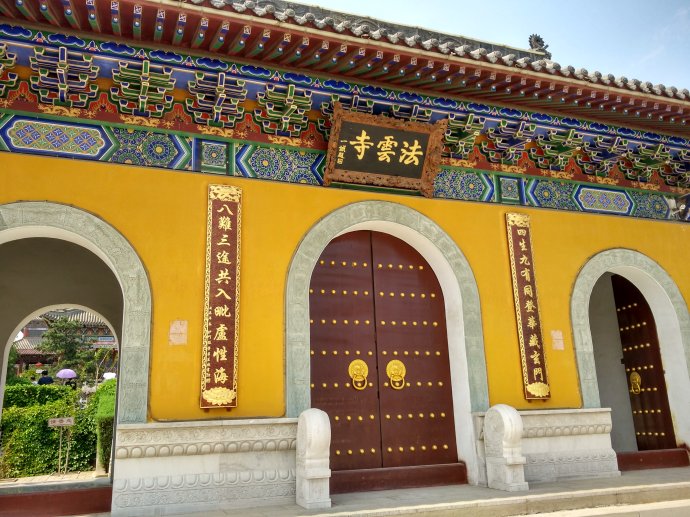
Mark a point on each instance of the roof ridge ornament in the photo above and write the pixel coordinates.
(536, 43)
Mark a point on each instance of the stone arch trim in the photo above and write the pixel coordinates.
(44, 219)
(383, 216)
(670, 313)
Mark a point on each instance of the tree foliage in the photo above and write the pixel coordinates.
(66, 339)
(12, 377)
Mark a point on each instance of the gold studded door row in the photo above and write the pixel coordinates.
(379, 355)
(643, 368)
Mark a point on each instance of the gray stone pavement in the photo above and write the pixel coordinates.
(647, 493)
(650, 493)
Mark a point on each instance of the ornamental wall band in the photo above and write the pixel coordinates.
(382, 151)
(534, 377)
(221, 298)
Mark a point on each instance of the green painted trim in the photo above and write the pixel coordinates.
(373, 188)
(528, 177)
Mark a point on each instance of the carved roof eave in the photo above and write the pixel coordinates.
(474, 74)
(364, 28)
(617, 100)
(355, 25)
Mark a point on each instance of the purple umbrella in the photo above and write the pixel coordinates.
(66, 373)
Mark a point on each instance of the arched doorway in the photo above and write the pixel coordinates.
(623, 305)
(117, 287)
(379, 365)
(462, 310)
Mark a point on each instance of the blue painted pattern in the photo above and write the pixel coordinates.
(463, 184)
(594, 199)
(280, 164)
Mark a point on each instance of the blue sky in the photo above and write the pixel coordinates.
(647, 40)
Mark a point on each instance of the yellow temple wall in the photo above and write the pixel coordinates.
(163, 215)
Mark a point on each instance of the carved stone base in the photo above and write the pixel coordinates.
(313, 450)
(163, 469)
(561, 444)
(503, 449)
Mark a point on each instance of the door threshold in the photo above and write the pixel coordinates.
(366, 480)
(655, 459)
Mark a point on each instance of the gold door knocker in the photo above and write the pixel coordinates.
(358, 371)
(396, 373)
(635, 383)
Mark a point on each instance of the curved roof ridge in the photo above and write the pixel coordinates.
(536, 58)
(366, 27)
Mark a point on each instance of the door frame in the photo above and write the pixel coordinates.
(463, 312)
(28, 219)
(670, 315)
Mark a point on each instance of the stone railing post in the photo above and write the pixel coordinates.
(505, 464)
(313, 452)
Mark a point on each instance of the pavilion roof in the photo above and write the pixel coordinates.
(86, 318)
(28, 346)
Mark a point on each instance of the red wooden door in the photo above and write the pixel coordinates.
(643, 367)
(417, 426)
(379, 352)
(341, 306)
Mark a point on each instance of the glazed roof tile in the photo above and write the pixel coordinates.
(368, 28)
(536, 59)
(28, 346)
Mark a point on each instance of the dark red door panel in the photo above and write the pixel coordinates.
(379, 350)
(417, 424)
(643, 367)
(342, 341)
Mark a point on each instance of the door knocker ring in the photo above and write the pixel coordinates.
(358, 371)
(635, 383)
(396, 374)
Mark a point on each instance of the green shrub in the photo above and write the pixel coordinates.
(104, 418)
(30, 447)
(17, 379)
(24, 395)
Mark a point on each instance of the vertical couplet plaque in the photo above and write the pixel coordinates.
(221, 298)
(534, 377)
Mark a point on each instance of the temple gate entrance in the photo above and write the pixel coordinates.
(379, 365)
(642, 359)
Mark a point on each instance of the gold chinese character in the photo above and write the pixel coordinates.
(523, 245)
(533, 340)
(528, 291)
(536, 358)
(224, 223)
(524, 261)
(222, 310)
(221, 332)
(223, 257)
(529, 306)
(223, 276)
(525, 273)
(537, 372)
(361, 144)
(223, 240)
(410, 154)
(221, 354)
(225, 209)
(342, 148)
(221, 292)
(386, 145)
(220, 376)
(522, 232)
(531, 322)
